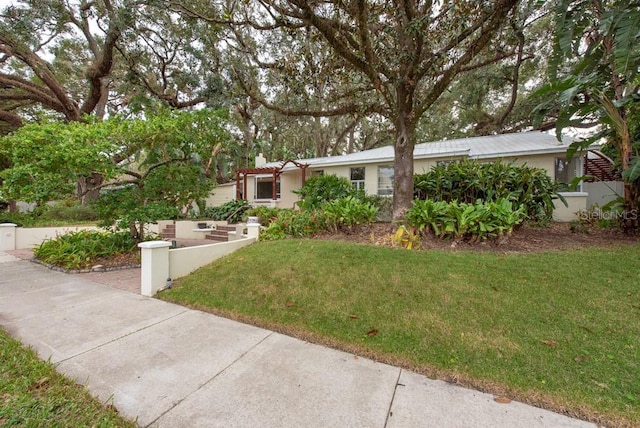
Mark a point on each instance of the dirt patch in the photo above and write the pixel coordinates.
(526, 239)
(119, 260)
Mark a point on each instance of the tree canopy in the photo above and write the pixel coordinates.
(163, 160)
(316, 78)
(393, 59)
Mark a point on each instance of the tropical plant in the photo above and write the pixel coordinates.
(295, 224)
(324, 188)
(469, 181)
(346, 213)
(594, 79)
(232, 211)
(78, 250)
(455, 219)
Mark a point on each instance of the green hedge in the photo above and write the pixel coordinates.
(468, 181)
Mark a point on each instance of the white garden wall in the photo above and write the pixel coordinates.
(23, 238)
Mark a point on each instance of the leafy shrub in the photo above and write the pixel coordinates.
(469, 180)
(293, 223)
(384, 205)
(77, 250)
(232, 211)
(122, 209)
(349, 212)
(455, 219)
(20, 218)
(71, 211)
(265, 214)
(324, 188)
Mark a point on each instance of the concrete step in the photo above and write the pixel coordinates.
(217, 238)
(168, 231)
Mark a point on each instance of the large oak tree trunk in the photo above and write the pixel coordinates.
(405, 141)
(89, 188)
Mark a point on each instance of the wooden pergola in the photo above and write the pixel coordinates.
(275, 171)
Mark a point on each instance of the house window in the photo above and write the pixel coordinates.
(317, 173)
(385, 180)
(264, 188)
(357, 178)
(566, 171)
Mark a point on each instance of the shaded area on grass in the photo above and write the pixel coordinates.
(553, 329)
(32, 393)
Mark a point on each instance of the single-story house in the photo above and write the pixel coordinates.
(273, 183)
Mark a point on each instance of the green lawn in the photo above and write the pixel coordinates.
(560, 330)
(33, 394)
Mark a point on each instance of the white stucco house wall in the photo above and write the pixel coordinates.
(372, 170)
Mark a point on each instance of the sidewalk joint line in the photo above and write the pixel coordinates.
(123, 336)
(177, 403)
(393, 397)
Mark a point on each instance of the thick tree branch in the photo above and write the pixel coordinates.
(41, 69)
(339, 111)
(501, 9)
(11, 118)
(102, 65)
(34, 92)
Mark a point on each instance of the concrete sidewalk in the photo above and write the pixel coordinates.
(168, 366)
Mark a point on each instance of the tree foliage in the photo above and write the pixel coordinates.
(59, 56)
(394, 58)
(595, 78)
(162, 161)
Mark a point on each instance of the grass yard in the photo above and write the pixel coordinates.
(33, 394)
(560, 330)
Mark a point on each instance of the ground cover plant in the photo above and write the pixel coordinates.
(85, 248)
(554, 329)
(479, 220)
(33, 394)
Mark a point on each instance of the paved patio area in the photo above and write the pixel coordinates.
(125, 279)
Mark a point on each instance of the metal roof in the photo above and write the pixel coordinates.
(486, 147)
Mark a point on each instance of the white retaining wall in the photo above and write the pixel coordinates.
(23, 238)
(576, 201)
(159, 263)
(183, 261)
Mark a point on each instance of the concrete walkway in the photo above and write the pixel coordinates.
(168, 366)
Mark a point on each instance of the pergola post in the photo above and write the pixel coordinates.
(274, 193)
(244, 187)
(237, 185)
(276, 171)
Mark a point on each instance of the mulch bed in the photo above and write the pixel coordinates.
(526, 239)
